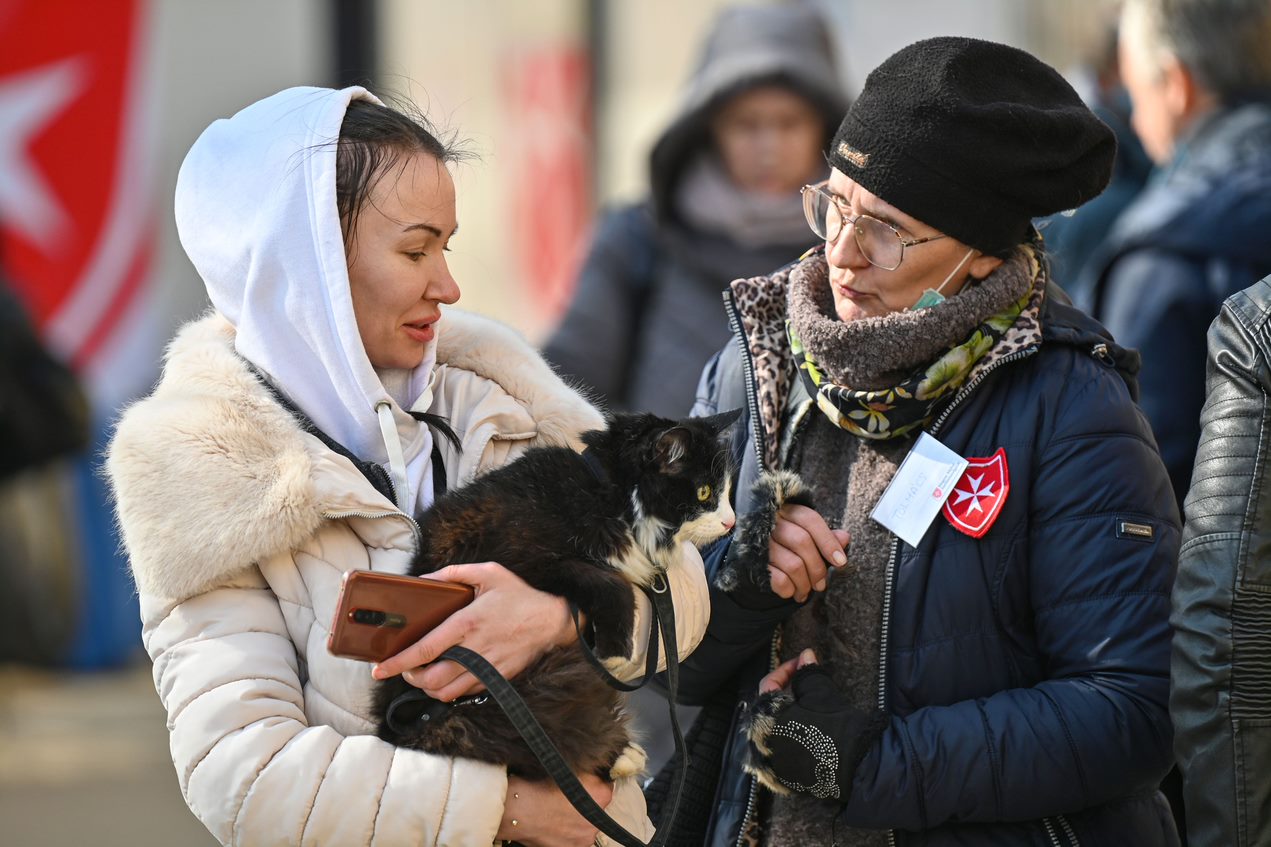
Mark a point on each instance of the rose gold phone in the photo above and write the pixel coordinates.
(378, 615)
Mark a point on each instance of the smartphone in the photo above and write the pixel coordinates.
(378, 615)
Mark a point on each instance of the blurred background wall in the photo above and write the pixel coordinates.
(100, 100)
(560, 99)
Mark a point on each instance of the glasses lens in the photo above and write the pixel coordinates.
(879, 243)
(822, 213)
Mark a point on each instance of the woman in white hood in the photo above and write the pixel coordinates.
(279, 451)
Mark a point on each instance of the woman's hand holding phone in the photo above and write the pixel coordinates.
(509, 623)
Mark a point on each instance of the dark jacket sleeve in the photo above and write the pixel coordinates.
(735, 635)
(595, 340)
(1159, 303)
(1221, 693)
(1097, 727)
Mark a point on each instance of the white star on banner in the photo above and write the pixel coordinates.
(976, 492)
(29, 101)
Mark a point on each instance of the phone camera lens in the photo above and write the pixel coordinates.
(370, 617)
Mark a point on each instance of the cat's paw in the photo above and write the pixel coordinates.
(745, 569)
(611, 619)
(756, 726)
(631, 762)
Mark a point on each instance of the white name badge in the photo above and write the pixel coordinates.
(923, 482)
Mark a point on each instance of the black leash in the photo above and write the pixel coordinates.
(663, 611)
(650, 663)
(528, 726)
(541, 745)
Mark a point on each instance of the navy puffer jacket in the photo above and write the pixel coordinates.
(1026, 673)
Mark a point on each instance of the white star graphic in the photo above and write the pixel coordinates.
(29, 101)
(976, 492)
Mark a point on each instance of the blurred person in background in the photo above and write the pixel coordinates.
(1073, 237)
(290, 440)
(1002, 676)
(44, 417)
(1199, 76)
(724, 181)
(1221, 694)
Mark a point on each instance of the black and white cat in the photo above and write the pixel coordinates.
(586, 529)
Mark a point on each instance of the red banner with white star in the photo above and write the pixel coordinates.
(548, 105)
(77, 217)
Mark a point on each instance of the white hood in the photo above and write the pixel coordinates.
(256, 213)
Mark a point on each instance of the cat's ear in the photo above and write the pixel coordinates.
(722, 421)
(670, 448)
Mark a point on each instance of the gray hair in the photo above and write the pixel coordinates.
(1226, 44)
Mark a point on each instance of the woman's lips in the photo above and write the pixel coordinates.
(421, 332)
(850, 293)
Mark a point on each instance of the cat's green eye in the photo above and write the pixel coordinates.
(704, 493)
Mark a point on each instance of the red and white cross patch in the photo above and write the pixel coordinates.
(978, 496)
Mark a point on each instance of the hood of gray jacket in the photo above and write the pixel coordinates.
(748, 46)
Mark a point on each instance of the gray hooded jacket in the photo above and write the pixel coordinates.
(646, 314)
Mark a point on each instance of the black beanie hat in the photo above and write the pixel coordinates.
(975, 139)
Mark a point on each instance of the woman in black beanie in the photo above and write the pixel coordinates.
(989, 663)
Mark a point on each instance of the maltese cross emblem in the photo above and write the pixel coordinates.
(978, 496)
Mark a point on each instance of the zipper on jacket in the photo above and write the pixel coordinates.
(889, 575)
(970, 386)
(751, 799)
(416, 532)
(748, 371)
(752, 404)
(888, 580)
(774, 653)
(1072, 836)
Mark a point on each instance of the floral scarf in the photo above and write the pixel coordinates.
(897, 410)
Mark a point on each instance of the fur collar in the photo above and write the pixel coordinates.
(210, 475)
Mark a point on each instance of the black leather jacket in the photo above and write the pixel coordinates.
(1220, 697)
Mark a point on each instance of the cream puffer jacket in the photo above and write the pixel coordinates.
(239, 526)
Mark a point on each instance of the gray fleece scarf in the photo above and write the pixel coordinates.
(881, 378)
(871, 353)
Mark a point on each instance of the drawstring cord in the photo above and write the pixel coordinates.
(393, 443)
(396, 461)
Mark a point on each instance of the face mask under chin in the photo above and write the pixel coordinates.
(933, 297)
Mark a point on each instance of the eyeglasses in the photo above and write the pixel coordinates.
(880, 243)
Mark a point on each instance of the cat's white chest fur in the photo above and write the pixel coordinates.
(645, 555)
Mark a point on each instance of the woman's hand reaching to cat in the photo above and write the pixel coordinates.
(537, 813)
(509, 623)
